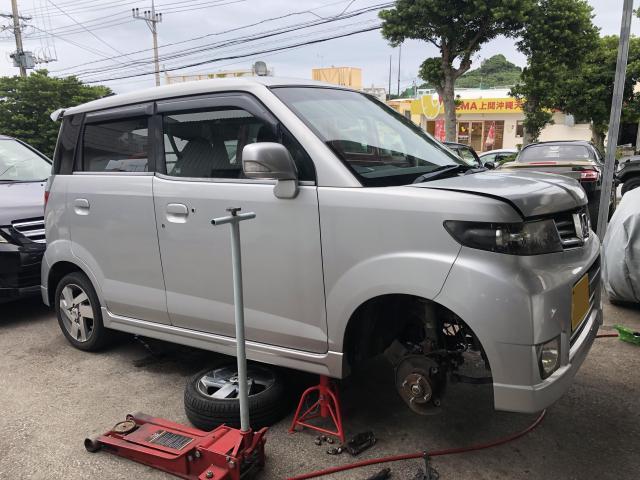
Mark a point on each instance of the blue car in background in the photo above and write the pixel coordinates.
(23, 174)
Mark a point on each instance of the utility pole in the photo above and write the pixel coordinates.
(18, 34)
(399, 58)
(614, 119)
(151, 18)
(389, 94)
(21, 59)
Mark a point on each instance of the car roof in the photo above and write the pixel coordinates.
(194, 88)
(6, 137)
(584, 143)
(499, 150)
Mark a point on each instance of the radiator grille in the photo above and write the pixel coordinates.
(573, 228)
(32, 228)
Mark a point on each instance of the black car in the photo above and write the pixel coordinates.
(23, 173)
(628, 173)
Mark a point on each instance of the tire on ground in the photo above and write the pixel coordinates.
(265, 408)
(100, 336)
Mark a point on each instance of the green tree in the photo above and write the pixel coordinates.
(458, 29)
(495, 71)
(26, 104)
(557, 37)
(589, 91)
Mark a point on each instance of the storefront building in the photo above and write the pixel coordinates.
(487, 120)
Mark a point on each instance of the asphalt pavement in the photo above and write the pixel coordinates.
(52, 396)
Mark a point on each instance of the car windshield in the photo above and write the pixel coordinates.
(378, 144)
(541, 153)
(19, 163)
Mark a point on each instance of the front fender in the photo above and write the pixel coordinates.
(411, 273)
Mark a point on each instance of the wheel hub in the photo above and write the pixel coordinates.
(419, 384)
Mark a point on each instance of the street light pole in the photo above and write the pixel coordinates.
(614, 119)
(152, 19)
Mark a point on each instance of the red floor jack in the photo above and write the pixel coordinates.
(222, 454)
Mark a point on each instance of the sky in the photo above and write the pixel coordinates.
(95, 39)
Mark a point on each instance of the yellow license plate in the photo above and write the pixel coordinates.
(579, 301)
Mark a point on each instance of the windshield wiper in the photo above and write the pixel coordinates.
(440, 171)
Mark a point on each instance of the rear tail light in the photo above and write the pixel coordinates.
(47, 188)
(589, 176)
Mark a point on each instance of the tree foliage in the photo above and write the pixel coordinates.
(557, 37)
(27, 102)
(589, 90)
(458, 28)
(494, 71)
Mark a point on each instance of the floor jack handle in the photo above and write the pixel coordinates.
(236, 259)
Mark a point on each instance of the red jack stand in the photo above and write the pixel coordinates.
(326, 406)
(222, 454)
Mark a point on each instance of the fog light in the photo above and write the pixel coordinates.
(548, 357)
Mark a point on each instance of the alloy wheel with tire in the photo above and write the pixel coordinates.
(78, 311)
(211, 396)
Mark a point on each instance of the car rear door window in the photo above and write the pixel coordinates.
(116, 146)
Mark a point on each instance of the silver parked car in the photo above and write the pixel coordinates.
(370, 238)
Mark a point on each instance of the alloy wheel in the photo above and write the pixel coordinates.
(77, 312)
(222, 383)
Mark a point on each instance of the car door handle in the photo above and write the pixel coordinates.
(81, 206)
(177, 212)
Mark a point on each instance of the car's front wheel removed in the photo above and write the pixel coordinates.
(211, 396)
(79, 316)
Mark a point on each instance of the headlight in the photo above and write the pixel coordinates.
(548, 357)
(527, 238)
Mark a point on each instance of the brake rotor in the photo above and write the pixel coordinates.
(419, 383)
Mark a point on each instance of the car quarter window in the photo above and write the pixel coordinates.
(208, 144)
(116, 146)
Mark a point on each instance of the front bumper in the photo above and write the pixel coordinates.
(533, 398)
(20, 270)
(513, 304)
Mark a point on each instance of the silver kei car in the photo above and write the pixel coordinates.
(370, 238)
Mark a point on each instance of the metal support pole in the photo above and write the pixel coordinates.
(614, 119)
(238, 302)
(18, 35)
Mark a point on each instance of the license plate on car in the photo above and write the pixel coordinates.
(579, 302)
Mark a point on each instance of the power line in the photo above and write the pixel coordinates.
(260, 52)
(88, 31)
(231, 30)
(244, 39)
(243, 49)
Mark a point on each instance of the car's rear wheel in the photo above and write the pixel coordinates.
(632, 183)
(79, 315)
(211, 396)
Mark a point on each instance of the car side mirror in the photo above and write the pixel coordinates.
(490, 165)
(272, 161)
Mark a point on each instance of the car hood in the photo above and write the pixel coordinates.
(531, 193)
(21, 200)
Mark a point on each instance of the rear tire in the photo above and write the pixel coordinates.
(267, 404)
(632, 183)
(79, 315)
